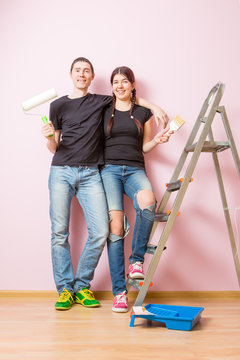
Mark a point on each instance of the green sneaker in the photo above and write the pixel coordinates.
(86, 298)
(65, 300)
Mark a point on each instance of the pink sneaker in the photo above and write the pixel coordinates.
(136, 270)
(120, 303)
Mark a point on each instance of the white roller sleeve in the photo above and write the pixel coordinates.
(39, 99)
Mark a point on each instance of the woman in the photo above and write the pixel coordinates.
(127, 133)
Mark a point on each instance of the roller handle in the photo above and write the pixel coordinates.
(45, 121)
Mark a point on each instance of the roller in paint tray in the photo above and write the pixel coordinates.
(38, 100)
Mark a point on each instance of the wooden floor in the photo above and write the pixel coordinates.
(32, 329)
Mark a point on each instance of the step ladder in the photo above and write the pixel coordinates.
(181, 185)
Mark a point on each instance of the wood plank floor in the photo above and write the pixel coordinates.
(32, 329)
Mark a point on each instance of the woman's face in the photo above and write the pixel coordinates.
(122, 88)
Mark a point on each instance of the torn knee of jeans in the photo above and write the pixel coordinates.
(149, 212)
(109, 217)
(151, 207)
(126, 226)
(142, 207)
(113, 237)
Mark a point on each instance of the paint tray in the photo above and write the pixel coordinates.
(173, 316)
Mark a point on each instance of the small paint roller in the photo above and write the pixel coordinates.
(38, 100)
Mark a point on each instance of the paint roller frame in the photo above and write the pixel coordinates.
(38, 100)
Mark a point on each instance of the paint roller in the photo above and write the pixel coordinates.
(38, 100)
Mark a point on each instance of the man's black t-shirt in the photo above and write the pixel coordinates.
(80, 122)
(124, 146)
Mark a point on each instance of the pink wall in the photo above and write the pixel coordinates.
(178, 51)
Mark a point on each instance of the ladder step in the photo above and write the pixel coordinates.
(210, 146)
(161, 217)
(175, 185)
(152, 248)
(136, 283)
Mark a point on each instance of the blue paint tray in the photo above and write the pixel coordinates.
(173, 316)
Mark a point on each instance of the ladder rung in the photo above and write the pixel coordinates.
(175, 185)
(161, 217)
(210, 146)
(134, 283)
(152, 248)
(137, 283)
(203, 119)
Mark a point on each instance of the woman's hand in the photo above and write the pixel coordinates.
(159, 114)
(162, 136)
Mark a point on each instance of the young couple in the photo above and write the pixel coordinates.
(81, 145)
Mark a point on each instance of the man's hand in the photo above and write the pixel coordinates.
(48, 130)
(159, 114)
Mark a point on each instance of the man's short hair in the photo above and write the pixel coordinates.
(82, 59)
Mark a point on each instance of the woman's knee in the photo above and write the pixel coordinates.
(145, 198)
(116, 222)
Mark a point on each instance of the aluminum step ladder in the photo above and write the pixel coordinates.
(210, 107)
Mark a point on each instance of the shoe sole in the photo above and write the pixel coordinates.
(62, 309)
(119, 310)
(94, 305)
(137, 276)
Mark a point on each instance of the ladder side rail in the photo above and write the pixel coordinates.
(201, 140)
(232, 144)
(226, 211)
(165, 234)
(155, 260)
(227, 217)
(179, 166)
(168, 226)
(184, 154)
(219, 88)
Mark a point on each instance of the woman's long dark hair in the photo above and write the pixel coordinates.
(128, 73)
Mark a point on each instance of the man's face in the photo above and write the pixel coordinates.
(82, 75)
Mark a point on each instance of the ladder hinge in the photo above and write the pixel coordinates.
(220, 109)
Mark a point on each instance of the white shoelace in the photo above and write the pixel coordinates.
(121, 298)
(138, 266)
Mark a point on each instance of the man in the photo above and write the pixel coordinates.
(76, 120)
(74, 135)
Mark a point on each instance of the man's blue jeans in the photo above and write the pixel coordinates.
(84, 182)
(119, 180)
